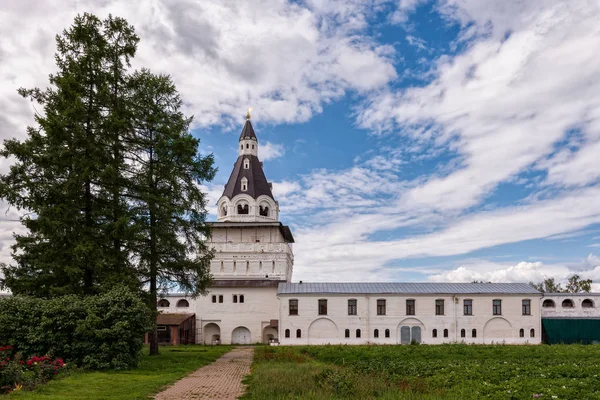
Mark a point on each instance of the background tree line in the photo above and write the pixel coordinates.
(108, 179)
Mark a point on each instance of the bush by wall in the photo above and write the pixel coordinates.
(96, 332)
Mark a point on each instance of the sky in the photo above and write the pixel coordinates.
(407, 140)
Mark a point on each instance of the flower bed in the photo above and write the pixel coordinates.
(17, 373)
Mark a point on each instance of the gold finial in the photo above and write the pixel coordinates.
(248, 113)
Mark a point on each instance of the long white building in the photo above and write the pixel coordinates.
(253, 300)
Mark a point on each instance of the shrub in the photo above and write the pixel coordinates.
(97, 332)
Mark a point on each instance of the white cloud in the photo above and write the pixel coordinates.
(404, 9)
(504, 103)
(269, 151)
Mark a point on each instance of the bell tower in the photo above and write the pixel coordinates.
(247, 196)
(249, 241)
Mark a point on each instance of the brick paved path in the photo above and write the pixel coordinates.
(221, 380)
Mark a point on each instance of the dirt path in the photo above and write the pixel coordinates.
(221, 380)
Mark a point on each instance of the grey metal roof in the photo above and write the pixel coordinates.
(405, 288)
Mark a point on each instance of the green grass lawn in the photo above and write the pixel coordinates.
(152, 374)
(426, 372)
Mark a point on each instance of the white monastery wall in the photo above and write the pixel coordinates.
(571, 305)
(251, 319)
(331, 328)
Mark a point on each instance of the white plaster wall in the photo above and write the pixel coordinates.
(250, 253)
(490, 328)
(576, 312)
(259, 308)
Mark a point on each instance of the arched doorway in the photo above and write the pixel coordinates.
(323, 331)
(212, 334)
(409, 330)
(241, 335)
(497, 330)
(269, 333)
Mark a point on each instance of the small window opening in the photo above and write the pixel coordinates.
(587, 303)
(347, 333)
(434, 333)
(387, 333)
(446, 333)
(298, 333)
(532, 332)
(163, 303)
(463, 333)
(287, 333)
(235, 298)
(246, 163)
(358, 333)
(264, 211)
(183, 303)
(521, 332)
(474, 333)
(243, 209)
(568, 303)
(241, 298)
(548, 304)
(220, 298)
(247, 146)
(214, 299)
(376, 333)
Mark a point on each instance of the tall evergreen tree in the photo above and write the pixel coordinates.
(68, 171)
(168, 202)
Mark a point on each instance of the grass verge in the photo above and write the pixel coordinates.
(152, 374)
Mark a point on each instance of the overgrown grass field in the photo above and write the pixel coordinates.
(426, 372)
(152, 374)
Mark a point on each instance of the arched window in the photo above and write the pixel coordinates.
(568, 303)
(214, 298)
(246, 163)
(434, 333)
(548, 304)
(183, 303)
(298, 333)
(347, 333)
(241, 298)
(242, 209)
(247, 146)
(587, 303)
(358, 333)
(264, 211)
(521, 332)
(244, 184)
(287, 333)
(224, 211)
(163, 303)
(235, 298)
(253, 147)
(445, 332)
(220, 298)
(376, 333)
(241, 147)
(474, 333)
(532, 332)
(387, 333)
(463, 333)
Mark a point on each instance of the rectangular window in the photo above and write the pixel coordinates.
(410, 307)
(293, 307)
(497, 307)
(526, 307)
(381, 307)
(352, 307)
(322, 307)
(468, 307)
(439, 307)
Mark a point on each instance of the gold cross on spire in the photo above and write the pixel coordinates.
(248, 113)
